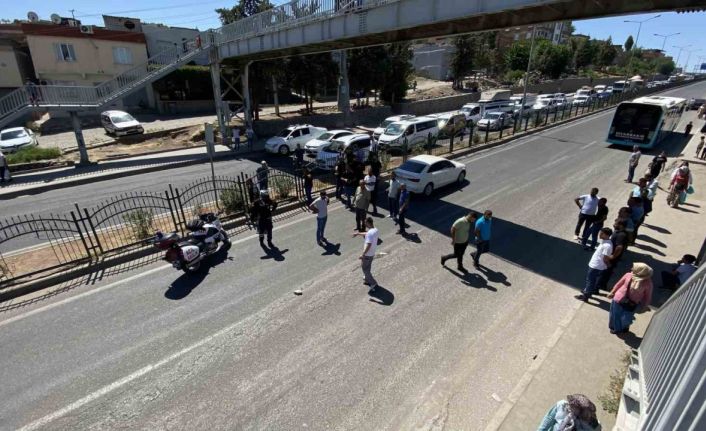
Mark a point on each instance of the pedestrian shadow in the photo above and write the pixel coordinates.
(648, 249)
(600, 301)
(658, 229)
(472, 279)
(686, 210)
(691, 205)
(412, 237)
(331, 249)
(630, 339)
(649, 239)
(494, 276)
(273, 253)
(382, 296)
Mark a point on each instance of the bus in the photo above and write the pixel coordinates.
(645, 121)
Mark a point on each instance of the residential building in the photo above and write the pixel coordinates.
(86, 55)
(15, 62)
(650, 54)
(556, 32)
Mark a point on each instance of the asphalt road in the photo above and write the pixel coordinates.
(235, 349)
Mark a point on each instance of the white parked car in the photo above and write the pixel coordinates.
(16, 138)
(389, 120)
(581, 101)
(120, 123)
(494, 121)
(359, 143)
(287, 140)
(547, 104)
(315, 145)
(424, 174)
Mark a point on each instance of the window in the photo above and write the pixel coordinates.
(436, 167)
(296, 133)
(122, 55)
(305, 131)
(64, 52)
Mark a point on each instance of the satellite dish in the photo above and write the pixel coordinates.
(32, 16)
(55, 18)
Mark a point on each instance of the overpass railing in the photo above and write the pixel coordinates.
(291, 14)
(665, 388)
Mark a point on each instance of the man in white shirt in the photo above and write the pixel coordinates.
(366, 259)
(370, 185)
(320, 208)
(393, 195)
(589, 207)
(675, 278)
(597, 265)
(632, 163)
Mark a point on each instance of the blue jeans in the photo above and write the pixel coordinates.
(394, 206)
(348, 190)
(320, 226)
(591, 231)
(631, 172)
(592, 278)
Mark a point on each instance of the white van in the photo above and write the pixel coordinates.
(389, 120)
(414, 130)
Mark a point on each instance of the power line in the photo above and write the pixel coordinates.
(151, 9)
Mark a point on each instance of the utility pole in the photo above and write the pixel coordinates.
(529, 65)
(688, 57)
(681, 48)
(72, 13)
(664, 42)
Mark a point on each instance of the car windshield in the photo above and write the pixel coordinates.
(121, 118)
(542, 102)
(413, 166)
(325, 137)
(12, 134)
(284, 133)
(492, 115)
(394, 129)
(386, 123)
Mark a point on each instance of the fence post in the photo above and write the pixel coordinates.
(471, 134)
(555, 114)
(171, 207)
(405, 148)
(451, 144)
(80, 234)
(487, 131)
(93, 229)
(502, 127)
(181, 210)
(527, 122)
(546, 118)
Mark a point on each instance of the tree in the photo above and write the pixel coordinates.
(585, 54)
(629, 43)
(664, 66)
(308, 74)
(606, 53)
(243, 9)
(462, 60)
(552, 60)
(517, 56)
(397, 68)
(366, 68)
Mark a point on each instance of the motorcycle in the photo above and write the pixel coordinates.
(187, 253)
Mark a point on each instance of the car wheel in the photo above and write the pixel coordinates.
(283, 150)
(461, 177)
(428, 189)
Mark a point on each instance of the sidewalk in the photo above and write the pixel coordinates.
(38, 182)
(582, 355)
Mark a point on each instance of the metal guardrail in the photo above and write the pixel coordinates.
(666, 388)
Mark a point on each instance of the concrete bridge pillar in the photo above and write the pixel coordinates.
(247, 102)
(78, 131)
(344, 101)
(218, 100)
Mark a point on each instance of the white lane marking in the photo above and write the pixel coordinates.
(588, 145)
(132, 278)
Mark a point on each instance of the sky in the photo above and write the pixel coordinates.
(201, 15)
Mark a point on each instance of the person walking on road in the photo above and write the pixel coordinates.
(404, 206)
(588, 205)
(633, 162)
(482, 231)
(687, 129)
(575, 413)
(371, 185)
(320, 208)
(632, 292)
(596, 225)
(460, 233)
(361, 203)
(598, 263)
(393, 197)
(340, 171)
(366, 259)
(658, 164)
(262, 210)
(308, 185)
(263, 173)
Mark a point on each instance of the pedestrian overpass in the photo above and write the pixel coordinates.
(307, 26)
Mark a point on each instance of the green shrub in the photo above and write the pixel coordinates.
(283, 186)
(232, 200)
(33, 154)
(140, 222)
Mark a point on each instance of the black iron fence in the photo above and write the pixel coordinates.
(122, 223)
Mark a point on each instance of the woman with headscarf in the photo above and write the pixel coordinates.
(575, 413)
(632, 292)
(680, 181)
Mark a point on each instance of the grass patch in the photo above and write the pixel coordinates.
(610, 398)
(33, 154)
(140, 222)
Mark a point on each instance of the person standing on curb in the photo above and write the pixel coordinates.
(632, 292)
(482, 230)
(308, 185)
(371, 185)
(589, 206)
(687, 129)
(320, 208)
(393, 197)
(633, 162)
(598, 263)
(596, 225)
(366, 259)
(460, 232)
(262, 210)
(404, 206)
(250, 135)
(361, 203)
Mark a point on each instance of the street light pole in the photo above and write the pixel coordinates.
(688, 57)
(681, 48)
(664, 42)
(634, 46)
(529, 64)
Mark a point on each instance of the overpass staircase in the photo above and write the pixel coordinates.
(77, 98)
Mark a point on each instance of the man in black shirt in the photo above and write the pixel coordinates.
(658, 164)
(261, 213)
(620, 244)
(596, 225)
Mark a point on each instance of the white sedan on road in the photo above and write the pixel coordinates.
(16, 138)
(424, 174)
(315, 145)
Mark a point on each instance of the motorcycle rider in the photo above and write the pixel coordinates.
(261, 212)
